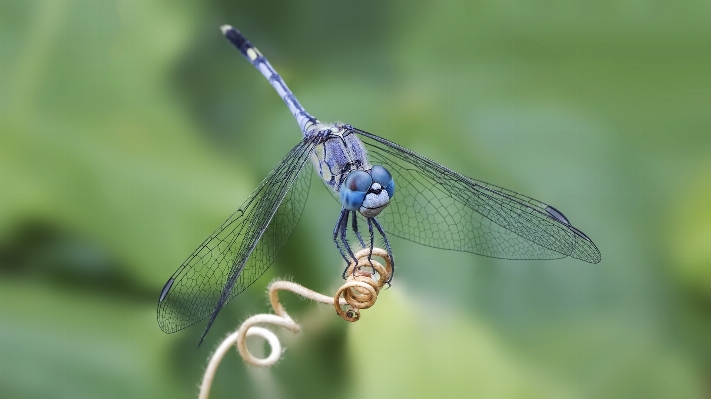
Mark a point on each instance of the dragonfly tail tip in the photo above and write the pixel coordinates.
(226, 28)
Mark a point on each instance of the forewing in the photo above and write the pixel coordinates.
(438, 207)
(242, 248)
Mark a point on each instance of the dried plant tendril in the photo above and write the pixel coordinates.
(360, 291)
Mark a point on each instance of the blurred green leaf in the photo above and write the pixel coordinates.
(452, 354)
(97, 142)
(62, 344)
(690, 232)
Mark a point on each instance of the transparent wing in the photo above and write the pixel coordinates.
(240, 250)
(438, 207)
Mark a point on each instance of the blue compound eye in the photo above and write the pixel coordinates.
(358, 181)
(384, 178)
(381, 175)
(353, 190)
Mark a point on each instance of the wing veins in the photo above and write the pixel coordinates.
(229, 247)
(519, 215)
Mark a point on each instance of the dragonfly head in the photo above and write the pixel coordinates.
(367, 192)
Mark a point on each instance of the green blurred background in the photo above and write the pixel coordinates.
(131, 129)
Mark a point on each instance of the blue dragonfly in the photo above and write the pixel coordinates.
(394, 189)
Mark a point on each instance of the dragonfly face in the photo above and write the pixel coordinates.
(367, 192)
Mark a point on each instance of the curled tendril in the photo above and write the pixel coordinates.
(359, 292)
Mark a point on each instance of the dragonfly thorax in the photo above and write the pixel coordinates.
(338, 154)
(367, 192)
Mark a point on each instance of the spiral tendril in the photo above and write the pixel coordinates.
(360, 291)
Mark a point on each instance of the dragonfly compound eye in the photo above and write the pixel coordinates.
(384, 178)
(354, 189)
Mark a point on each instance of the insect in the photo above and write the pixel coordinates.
(392, 188)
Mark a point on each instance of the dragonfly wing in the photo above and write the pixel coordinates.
(241, 249)
(438, 207)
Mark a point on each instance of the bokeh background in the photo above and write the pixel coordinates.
(130, 129)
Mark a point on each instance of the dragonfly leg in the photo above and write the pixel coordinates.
(344, 230)
(372, 241)
(336, 231)
(387, 246)
(355, 229)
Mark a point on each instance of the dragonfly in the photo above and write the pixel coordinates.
(394, 190)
